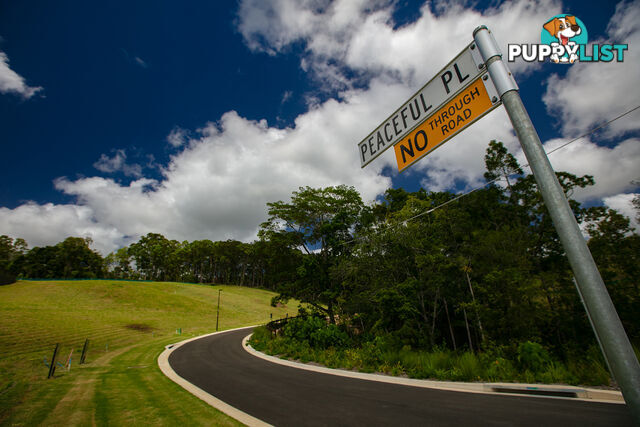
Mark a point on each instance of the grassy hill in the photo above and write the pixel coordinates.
(127, 324)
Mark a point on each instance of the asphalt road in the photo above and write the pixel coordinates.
(285, 396)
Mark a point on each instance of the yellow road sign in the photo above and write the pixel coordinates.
(468, 106)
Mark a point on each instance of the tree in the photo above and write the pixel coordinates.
(76, 259)
(616, 250)
(10, 250)
(321, 223)
(499, 162)
(70, 259)
(153, 256)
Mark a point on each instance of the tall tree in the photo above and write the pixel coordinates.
(321, 223)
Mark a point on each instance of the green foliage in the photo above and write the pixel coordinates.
(316, 332)
(531, 363)
(71, 259)
(532, 356)
(320, 222)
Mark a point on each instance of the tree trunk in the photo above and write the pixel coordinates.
(446, 310)
(466, 322)
(435, 315)
(473, 297)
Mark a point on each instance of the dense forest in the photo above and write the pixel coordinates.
(425, 269)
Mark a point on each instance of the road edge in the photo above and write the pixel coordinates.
(165, 367)
(586, 395)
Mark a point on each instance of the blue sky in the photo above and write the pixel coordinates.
(125, 118)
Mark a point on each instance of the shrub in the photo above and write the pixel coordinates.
(316, 332)
(500, 369)
(532, 356)
(469, 367)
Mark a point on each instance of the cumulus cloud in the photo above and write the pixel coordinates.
(623, 204)
(12, 82)
(592, 93)
(48, 224)
(177, 136)
(360, 36)
(217, 185)
(118, 163)
(613, 168)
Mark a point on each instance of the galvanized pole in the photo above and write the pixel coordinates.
(607, 325)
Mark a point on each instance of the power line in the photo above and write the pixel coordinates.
(593, 130)
(458, 197)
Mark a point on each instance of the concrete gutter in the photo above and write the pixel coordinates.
(526, 390)
(163, 363)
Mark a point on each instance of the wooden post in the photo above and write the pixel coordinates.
(84, 351)
(52, 367)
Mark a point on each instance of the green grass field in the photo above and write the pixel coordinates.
(127, 324)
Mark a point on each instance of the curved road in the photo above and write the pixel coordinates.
(285, 396)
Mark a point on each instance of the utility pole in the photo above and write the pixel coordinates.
(606, 323)
(218, 310)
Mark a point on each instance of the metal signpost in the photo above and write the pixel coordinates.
(607, 325)
(455, 98)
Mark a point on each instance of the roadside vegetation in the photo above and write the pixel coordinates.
(128, 325)
(312, 339)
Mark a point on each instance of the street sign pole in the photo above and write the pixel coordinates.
(607, 325)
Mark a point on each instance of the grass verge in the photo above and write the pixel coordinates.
(128, 325)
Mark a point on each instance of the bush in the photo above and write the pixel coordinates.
(531, 362)
(533, 357)
(469, 367)
(316, 332)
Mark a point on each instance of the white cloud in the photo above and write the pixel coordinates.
(612, 168)
(286, 96)
(118, 163)
(141, 62)
(623, 204)
(360, 35)
(48, 224)
(177, 136)
(592, 93)
(12, 82)
(217, 187)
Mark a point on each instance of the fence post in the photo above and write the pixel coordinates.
(52, 367)
(84, 351)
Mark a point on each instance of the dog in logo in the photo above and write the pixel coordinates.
(563, 29)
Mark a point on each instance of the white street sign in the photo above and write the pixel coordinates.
(456, 76)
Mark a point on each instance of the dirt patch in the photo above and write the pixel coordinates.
(141, 327)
